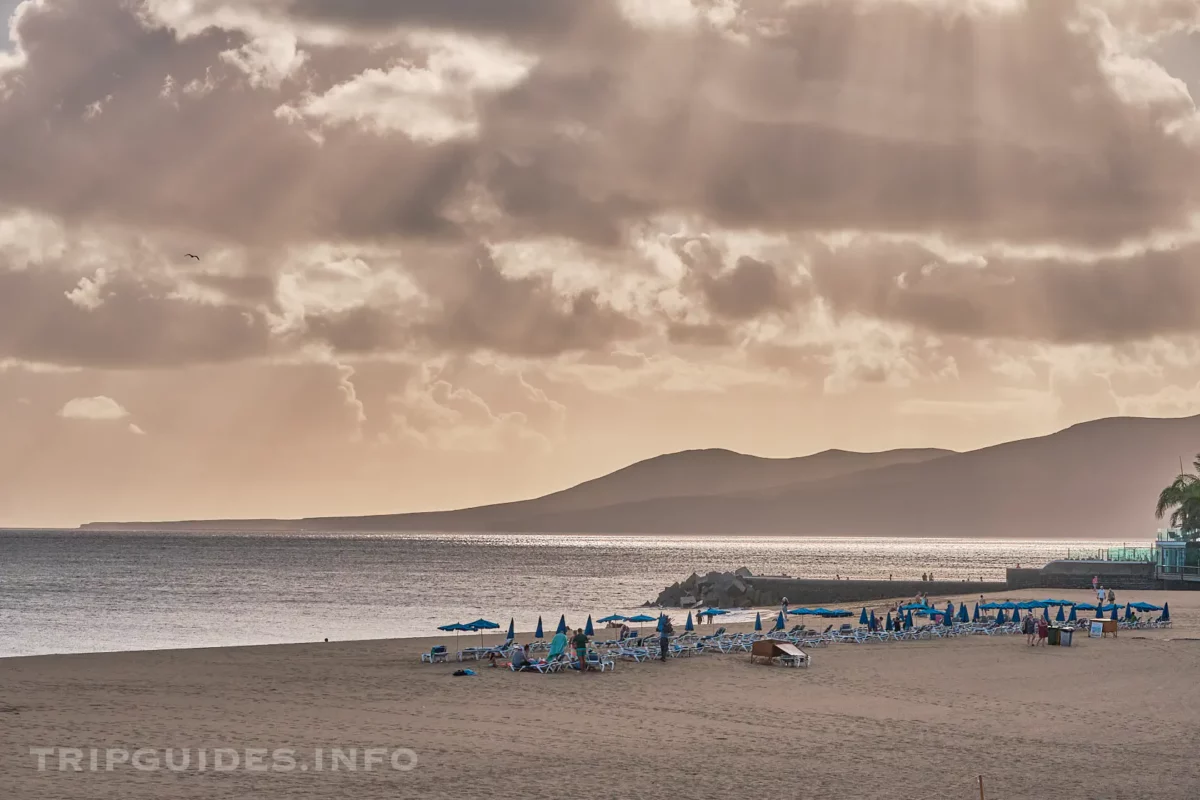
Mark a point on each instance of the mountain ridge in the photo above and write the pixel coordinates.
(1096, 479)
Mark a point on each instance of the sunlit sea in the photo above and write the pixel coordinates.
(69, 591)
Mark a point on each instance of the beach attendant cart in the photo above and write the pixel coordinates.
(787, 653)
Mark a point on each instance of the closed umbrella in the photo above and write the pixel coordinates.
(1166, 614)
(1046, 613)
(873, 622)
(1071, 617)
(963, 616)
(1000, 619)
(1128, 611)
(1016, 615)
(862, 618)
(1060, 616)
(908, 621)
(887, 625)
(687, 626)
(975, 616)
(1114, 612)
(758, 621)
(589, 629)
(539, 633)
(562, 624)
(948, 617)
(779, 623)
(512, 629)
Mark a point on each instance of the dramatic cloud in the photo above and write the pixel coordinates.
(576, 232)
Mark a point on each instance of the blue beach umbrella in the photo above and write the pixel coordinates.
(639, 619)
(687, 626)
(1060, 616)
(1114, 612)
(589, 629)
(562, 624)
(1166, 614)
(779, 623)
(1016, 615)
(963, 615)
(612, 618)
(887, 625)
(458, 628)
(482, 625)
(758, 621)
(975, 616)
(908, 621)
(512, 629)
(539, 633)
(874, 623)
(1046, 613)
(1084, 607)
(1071, 617)
(1000, 620)
(661, 619)
(1128, 611)
(948, 618)
(862, 618)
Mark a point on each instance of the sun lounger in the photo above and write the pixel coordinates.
(437, 655)
(596, 661)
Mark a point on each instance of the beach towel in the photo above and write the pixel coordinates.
(458, 673)
(558, 646)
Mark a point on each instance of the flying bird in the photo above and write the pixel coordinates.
(189, 255)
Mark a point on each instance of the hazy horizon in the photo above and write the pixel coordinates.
(454, 253)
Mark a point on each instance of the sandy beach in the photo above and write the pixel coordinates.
(1105, 718)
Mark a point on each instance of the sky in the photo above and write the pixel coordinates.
(457, 251)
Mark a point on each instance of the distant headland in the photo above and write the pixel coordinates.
(1094, 480)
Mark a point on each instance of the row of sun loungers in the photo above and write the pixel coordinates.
(604, 654)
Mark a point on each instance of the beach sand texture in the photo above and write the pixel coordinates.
(1104, 719)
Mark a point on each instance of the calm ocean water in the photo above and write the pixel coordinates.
(66, 591)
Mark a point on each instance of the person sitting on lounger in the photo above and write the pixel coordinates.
(520, 659)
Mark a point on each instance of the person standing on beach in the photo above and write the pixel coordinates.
(1095, 582)
(664, 638)
(783, 606)
(1043, 631)
(1027, 629)
(580, 641)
